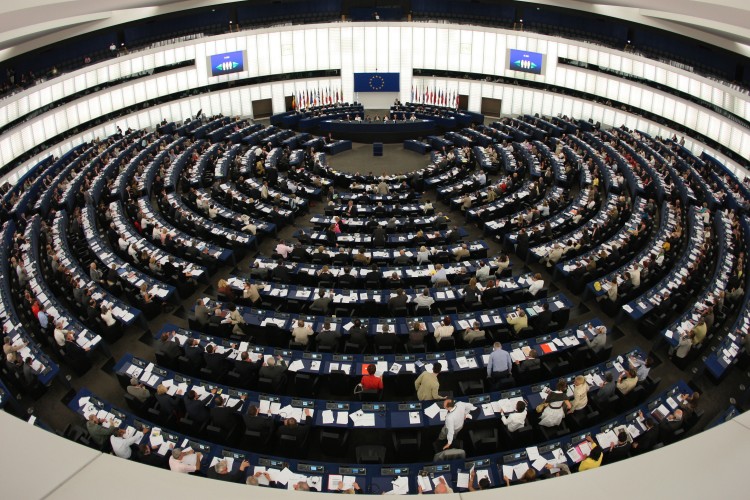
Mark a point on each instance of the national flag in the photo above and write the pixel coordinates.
(294, 103)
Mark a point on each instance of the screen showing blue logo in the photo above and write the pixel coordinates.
(231, 62)
(528, 62)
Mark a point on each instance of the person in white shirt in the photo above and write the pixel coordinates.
(107, 317)
(537, 283)
(301, 333)
(424, 299)
(185, 462)
(133, 251)
(635, 276)
(248, 226)
(516, 420)
(212, 212)
(423, 255)
(122, 243)
(59, 334)
(121, 445)
(444, 330)
(458, 412)
(553, 256)
(440, 275)
(283, 249)
(483, 272)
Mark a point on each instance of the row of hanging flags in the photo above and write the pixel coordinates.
(318, 97)
(434, 96)
(428, 95)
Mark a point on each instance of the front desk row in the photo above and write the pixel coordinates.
(634, 432)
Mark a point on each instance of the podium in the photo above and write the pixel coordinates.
(377, 149)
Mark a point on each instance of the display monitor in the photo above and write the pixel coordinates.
(229, 62)
(525, 61)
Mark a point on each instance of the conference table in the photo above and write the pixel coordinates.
(52, 305)
(381, 131)
(392, 478)
(639, 307)
(121, 311)
(500, 226)
(280, 293)
(392, 239)
(354, 414)
(45, 368)
(411, 275)
(486, 318)
(128, 273)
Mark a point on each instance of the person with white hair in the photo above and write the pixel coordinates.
(222, 472)
(185, 462)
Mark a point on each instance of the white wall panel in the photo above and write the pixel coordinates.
(394, 47)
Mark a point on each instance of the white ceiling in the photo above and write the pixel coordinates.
(29, 24)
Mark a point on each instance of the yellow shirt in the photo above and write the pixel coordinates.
(589, 463)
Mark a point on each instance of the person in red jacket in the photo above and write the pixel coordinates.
(372, 381)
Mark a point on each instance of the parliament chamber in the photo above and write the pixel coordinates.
(373, 248)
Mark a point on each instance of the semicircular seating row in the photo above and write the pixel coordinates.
(137, 223)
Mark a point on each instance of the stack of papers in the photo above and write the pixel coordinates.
(337, 481)
(432, 410)
(361, 419)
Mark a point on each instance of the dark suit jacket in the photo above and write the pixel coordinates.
(168, 404)
(529, 364)
(329, 338)
(617, 453)
(397, 302)
(246, 369)
(358, 336)
(347, 281)
(217, 362)
(542, 320)
(378, 236)
(195, 355)
(300, 431)
(153, 459)
(275, 373)
(235, 476)
(224, 416)
(647, 440)
(170, 349)
(258, 423)
(196, 410)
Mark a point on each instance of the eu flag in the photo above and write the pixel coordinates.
(376, 82)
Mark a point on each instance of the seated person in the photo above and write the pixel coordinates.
(532, 362)
(516, 420)
(328, 337)
(518, 321)
(301, 333)
(627, 381)
(371, 382)
(474, 333)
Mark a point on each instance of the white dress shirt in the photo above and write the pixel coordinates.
(514, 421)
(536, 286)
(454, 420)
(121, 445)
(443, 331)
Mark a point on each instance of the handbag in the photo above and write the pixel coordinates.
(358, 388)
